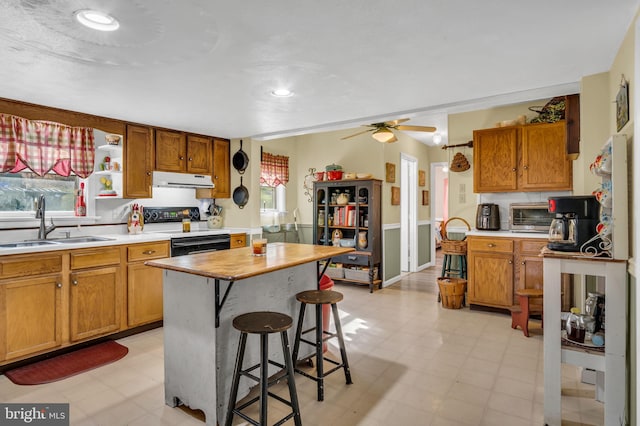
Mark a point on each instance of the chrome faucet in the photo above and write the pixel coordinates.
(40, 212)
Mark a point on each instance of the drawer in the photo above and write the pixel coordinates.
(147, 251)
(91, 258)
(238, 240)
(352, 259)
(532, 246)
(37, 264)
(501, 245)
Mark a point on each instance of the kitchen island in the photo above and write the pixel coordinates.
(204, 292)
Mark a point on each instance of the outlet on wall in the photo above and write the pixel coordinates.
(462, 195)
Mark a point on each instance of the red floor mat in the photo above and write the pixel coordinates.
(67, 365)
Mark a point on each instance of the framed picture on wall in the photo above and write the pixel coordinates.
(425, 198)
(390, 175)
(395, 195)
(422, 178)
(622, 104)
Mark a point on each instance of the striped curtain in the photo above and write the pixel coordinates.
(274, 170)
(44, 146)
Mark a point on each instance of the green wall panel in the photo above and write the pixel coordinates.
(391, 253)
(424, 244)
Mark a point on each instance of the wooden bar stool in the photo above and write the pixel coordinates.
(320, 298)
(520, 313)
(454, 262)
(263, 323)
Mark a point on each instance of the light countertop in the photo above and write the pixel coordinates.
(507, 234)
(237, 264)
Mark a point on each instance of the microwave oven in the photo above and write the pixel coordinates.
(530, 217)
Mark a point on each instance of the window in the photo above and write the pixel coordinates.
(18, 192)
(273, 199)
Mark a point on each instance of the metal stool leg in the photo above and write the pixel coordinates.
(264, 377)
(319, 355)
(236, 379)
(343, 351)
(293, 395)
(296, 341)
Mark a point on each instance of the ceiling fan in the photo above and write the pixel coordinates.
(382, 131)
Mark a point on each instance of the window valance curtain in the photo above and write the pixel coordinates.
(274, 169)
(42, 146)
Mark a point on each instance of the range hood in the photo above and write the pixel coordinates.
(181, 180)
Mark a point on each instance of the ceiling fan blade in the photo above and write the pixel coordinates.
(416, 128)
(356, 134)
(396, 122)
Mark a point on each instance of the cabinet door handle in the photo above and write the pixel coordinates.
(491, 245)
(215, 177)
(511, 262)
(148, 252)
(514, 169)
(526, 167)
(524, 263)
(148, 173)
(74, 282)
(59, 285)
(181, 157)
(190, 159)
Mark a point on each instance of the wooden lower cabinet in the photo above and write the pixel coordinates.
(498, 266)
(95, 302)
(238, 240)
(144, 283)
(56, 299)
(31, 315)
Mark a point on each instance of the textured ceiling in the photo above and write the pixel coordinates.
(208, 66)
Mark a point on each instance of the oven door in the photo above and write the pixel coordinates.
(201, 244)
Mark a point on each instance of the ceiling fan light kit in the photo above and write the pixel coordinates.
(384, 135)
(382, 131)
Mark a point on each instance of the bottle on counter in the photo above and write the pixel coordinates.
(576, 326)
(81, 206)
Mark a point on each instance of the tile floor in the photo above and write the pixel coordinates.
(413, 363)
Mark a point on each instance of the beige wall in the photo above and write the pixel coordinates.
(361, 154)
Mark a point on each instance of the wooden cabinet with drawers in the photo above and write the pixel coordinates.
(96, 294)
(498, 266)
(490, 271)
(144, 283)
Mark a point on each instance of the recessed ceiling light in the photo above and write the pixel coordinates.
(437, 138)
(97, 20)
(282, 93)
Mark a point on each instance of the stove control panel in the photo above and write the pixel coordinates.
(170, 214)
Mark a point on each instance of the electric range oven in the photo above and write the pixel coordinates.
(183, 243)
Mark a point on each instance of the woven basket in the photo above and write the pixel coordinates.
(453, 246)
(452, 292)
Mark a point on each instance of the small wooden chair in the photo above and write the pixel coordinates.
(520, 313)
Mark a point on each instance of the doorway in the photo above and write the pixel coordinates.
(439, 187)
(408, 213)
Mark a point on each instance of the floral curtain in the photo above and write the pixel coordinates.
(274, 170)
(42, 146)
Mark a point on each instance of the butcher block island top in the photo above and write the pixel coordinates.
(240, 263)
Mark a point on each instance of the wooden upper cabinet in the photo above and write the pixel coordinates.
(221, 169)
(495, 159)
(199, 154)
(138, 162)
(171, 151)
(221, 173)
(522, 158)
(182, 153)
(545, 165)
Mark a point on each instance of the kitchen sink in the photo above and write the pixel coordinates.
(88, 239)
(26, 244)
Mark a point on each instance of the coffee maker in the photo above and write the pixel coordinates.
(575, 222)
